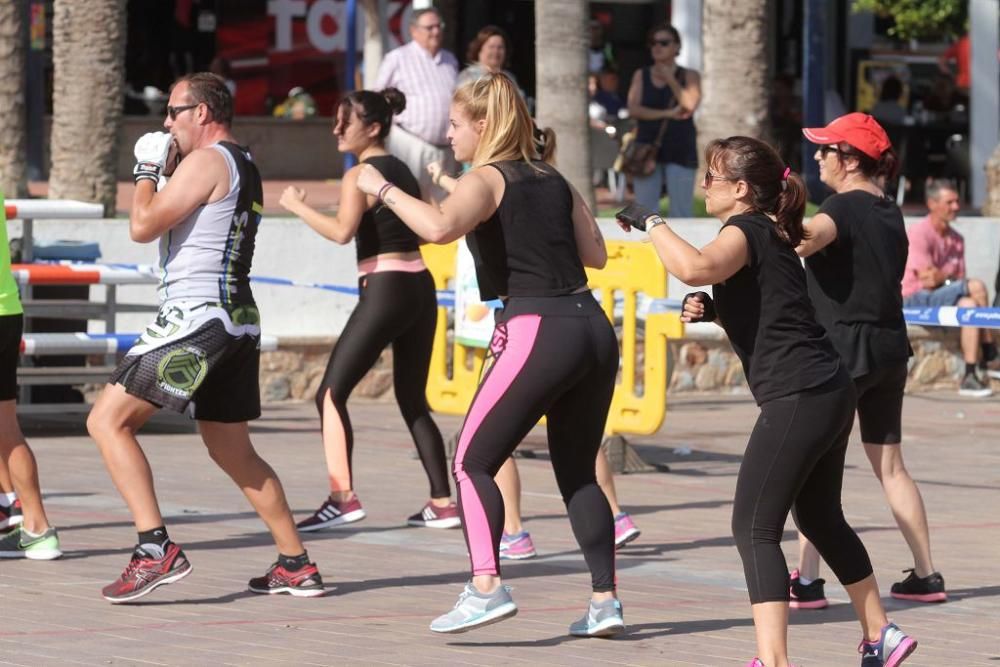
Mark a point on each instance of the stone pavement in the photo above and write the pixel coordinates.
(681, 582)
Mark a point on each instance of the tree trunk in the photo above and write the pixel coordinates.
(375, 39)
(991, 207)
(88, 54)
(734, 85)
(13, 137)
(561, 36)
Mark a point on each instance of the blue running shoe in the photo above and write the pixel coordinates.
(892, 648)
(475, 609)
(603, 619)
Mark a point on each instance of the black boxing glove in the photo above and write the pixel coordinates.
(706, 300)
(636, 216)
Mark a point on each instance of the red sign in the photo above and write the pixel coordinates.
(275, 46)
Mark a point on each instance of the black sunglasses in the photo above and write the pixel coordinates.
(661, 42)
(711, 178)
(173, 111)
(826, 149)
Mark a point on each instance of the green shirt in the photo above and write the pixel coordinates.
(10, 300)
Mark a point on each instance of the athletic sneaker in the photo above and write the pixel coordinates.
(892, 648)
(920, 589)
(333, 513)
(10, 516)
(517, 547)
(974, 387)
(475, 609)
(806, 597)
(303, 583)
(145, 573)
(625, 530)
(990, 368)
(19, 544)
(432, 516)
(603, 619)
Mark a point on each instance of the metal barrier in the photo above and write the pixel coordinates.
(639, 403)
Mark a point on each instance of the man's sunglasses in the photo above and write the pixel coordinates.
(173, 111)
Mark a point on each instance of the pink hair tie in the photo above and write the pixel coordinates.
(784, 176)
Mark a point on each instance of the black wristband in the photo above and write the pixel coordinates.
(706, 300)
(635, 216)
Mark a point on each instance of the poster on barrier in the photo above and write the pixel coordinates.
(474, 319)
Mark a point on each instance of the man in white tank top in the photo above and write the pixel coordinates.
(202, 353)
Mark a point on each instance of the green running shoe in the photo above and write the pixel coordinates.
(18, 543)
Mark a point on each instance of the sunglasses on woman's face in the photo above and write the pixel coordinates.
(826, 149)
(711, 178)
(661, 42)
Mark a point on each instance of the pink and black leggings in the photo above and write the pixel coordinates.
(552, 356)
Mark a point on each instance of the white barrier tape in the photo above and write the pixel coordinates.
(41, 344)
(51, 209)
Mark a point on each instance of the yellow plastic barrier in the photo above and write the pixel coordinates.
(632, 268)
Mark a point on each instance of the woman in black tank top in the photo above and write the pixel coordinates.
(794, 460)
(553, 351)
(397, 306)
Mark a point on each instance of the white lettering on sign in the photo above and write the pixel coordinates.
(322, 16)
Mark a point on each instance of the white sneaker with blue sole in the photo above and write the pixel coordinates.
(603, 619)
(475, 610)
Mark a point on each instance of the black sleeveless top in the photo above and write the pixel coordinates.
(527, 247)
(766, 312)
(381, 230)
(680, 140)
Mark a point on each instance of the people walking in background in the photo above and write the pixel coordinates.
(202, 353)
(856, 250)
(397, 306)
(935, 276)
(663, 98)
(795, 455)
(25, 531)
(553, 351)
(426, 74)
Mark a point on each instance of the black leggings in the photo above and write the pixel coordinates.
(400, 308)
(795, 459)
(561, 364)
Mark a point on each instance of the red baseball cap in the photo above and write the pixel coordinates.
(858, 130)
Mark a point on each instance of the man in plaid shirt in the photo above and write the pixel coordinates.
(426, 74)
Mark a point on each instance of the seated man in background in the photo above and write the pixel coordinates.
(935, 276)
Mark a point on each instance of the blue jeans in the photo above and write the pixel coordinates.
(680, 186)
(946, 295)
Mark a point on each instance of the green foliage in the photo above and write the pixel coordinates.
(920, 19)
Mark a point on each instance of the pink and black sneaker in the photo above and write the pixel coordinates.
(333, 513)
(145, 573)
(892, 648)
(10, 516)
(432, 516)
(625, 530)
(806, 596)
(517, 547)
(302, 583)
(920, 589)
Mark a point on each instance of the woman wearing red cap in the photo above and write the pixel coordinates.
(795, 455)
(855, 259)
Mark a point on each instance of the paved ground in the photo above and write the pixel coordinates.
(681, 583)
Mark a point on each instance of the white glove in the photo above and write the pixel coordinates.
(150, 155)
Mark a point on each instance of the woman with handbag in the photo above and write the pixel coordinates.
(663, 98)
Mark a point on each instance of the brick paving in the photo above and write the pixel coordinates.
(681, 582)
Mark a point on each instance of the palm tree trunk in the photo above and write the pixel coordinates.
(13, 138)
(735, 81)
(88, 54)
(561, 84)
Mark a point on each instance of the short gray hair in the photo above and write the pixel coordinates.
(936, 185)
(415, 16)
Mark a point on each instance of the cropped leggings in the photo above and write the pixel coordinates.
(795, 460)
(561, 364)
(397, 308)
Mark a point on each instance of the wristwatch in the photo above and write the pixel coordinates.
(653, 221)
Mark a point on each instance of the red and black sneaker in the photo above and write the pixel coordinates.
(10, 516)
(145, 573)
(303, 583)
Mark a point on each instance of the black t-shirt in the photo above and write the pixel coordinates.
(528, 246)
(855, 282)
(764, 308)
(381, 230)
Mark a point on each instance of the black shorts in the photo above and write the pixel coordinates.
(204, 359)
(11, 328)
(880, 405)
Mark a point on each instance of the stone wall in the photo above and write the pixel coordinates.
(697, 365)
